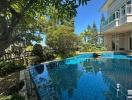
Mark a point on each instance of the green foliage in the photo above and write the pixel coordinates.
(90, 40)
(63, 41)
(9, 67)
(90, 34)
(87, 36)
(11, 97)
(29, 48)
(41, 54)
(48, 54)
(38, 52)
(2, 97)
(17, 97)
(88, 47)
(20, 19)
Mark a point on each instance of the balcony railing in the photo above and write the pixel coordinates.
(110, 25)
(112, 21)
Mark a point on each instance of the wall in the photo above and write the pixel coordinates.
(108, 42)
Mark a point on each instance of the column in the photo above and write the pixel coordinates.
(126, 11)
(120, 13)
(131, 40)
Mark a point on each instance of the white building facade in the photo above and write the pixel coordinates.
(117, 28)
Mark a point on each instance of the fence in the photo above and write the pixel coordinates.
(9, 57)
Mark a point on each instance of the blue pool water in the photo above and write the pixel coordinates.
(84, 78)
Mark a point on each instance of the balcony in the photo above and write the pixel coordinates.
(119, 18)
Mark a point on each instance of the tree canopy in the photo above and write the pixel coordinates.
(19, 17)
(63, 41)
(91, 40)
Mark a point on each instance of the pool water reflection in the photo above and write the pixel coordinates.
(89, 79)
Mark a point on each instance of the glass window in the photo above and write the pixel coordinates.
(129, 7)
(113, 16)
(129, 1)
(117, 14)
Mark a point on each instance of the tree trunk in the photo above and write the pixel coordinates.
(6, 33)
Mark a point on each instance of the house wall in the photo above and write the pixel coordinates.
(122, 41)
(130, 35)
(129, 18)
(108, 42)
(126, 41)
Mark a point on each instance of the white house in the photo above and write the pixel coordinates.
(117, 28)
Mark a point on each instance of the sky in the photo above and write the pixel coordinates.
(87, 15)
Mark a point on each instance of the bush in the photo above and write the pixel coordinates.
(9, 67)
(38, 52)
(41, 54)
(48, 54)
(88, 47)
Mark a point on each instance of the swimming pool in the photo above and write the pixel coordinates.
(84, 78)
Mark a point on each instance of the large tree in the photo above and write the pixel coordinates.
(19, 17)
(63, 41)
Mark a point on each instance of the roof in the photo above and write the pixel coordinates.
(106, 5)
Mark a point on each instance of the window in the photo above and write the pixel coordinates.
(117, 14)
(112, 17)
(129, 7)
(129, 2)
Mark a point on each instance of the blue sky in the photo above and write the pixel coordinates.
(87, 15)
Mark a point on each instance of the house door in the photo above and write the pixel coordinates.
(113, 43)
(130, 42)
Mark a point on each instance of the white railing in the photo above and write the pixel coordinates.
(110, 25)
(122, 20)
